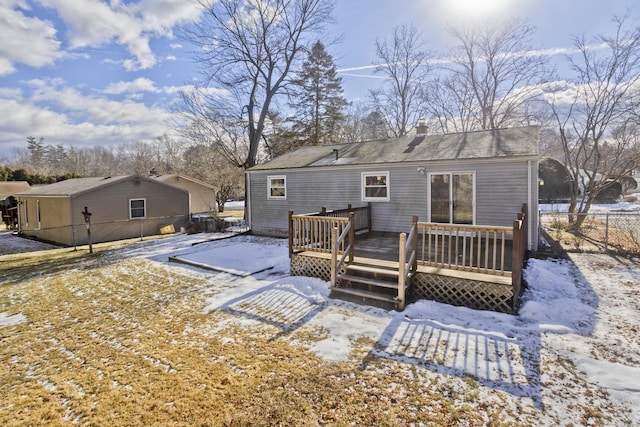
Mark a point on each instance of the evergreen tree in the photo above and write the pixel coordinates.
(37, 152)
(317, 100)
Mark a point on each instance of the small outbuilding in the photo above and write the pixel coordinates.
(121, 207)
(8, 203)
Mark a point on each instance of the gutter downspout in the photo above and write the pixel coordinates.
(529, 207)
(19, 216)
(247, 198)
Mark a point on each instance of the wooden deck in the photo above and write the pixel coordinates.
(470, 265)
(384, 246)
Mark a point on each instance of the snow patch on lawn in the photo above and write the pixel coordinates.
(9, 320)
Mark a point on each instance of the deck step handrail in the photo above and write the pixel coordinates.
(347, 250)
(337, 242)
(406, 262)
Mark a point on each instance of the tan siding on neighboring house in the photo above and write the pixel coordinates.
(53, 212)
(62, 220)
(203, 197)
(110, 209)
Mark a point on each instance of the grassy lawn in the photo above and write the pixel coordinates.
(110, 340)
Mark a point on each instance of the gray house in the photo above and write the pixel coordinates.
(477, 178)
(121, 207)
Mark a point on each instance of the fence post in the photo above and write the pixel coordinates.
(290, 222)
(334, 255)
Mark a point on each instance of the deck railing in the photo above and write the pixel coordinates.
(312, 231)
(479, 249)
(474, 248)
(361, 216)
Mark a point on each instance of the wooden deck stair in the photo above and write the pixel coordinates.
(369, 283)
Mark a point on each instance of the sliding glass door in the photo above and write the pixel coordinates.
(451, 197)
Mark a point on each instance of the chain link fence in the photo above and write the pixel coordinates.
(105, 231)
(600, 232)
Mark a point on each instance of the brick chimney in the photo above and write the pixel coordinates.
(421, 126)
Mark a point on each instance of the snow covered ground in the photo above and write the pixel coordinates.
(583, 313)
(574, 344)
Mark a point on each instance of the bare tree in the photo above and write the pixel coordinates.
(405, 63)
(490, 80)
(249, 48)
(207, 122)
(205, 163)
(596, 114)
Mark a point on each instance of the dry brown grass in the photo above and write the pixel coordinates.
(111, 341)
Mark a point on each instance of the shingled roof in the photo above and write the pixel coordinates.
(75, 186)
(10, 188)
(488, 144)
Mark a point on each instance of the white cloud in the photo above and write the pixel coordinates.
(92, 23)
(25, 40)
(140, 84)
(64, 115)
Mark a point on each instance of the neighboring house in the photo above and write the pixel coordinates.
(480, 177)
(202, 196)
(8, 204)
(121, 207)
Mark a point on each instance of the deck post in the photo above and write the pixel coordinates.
(517, 258)
(352, 236)
(369, 224)
(290, 222)
(414, 243)
(334, 255)
(401, 270)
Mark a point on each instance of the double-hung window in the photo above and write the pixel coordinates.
(137, 208)
(277, 187)
(375, 186)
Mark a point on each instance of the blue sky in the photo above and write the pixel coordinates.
(98, 72)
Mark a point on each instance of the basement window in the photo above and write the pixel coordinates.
(375, 186)
(137, 208)
(277, 187)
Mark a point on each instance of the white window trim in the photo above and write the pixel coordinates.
(270, 178)
(363, 180)
(475, 201)
(145, 208)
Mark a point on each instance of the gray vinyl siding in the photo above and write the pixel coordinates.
(500, 189)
